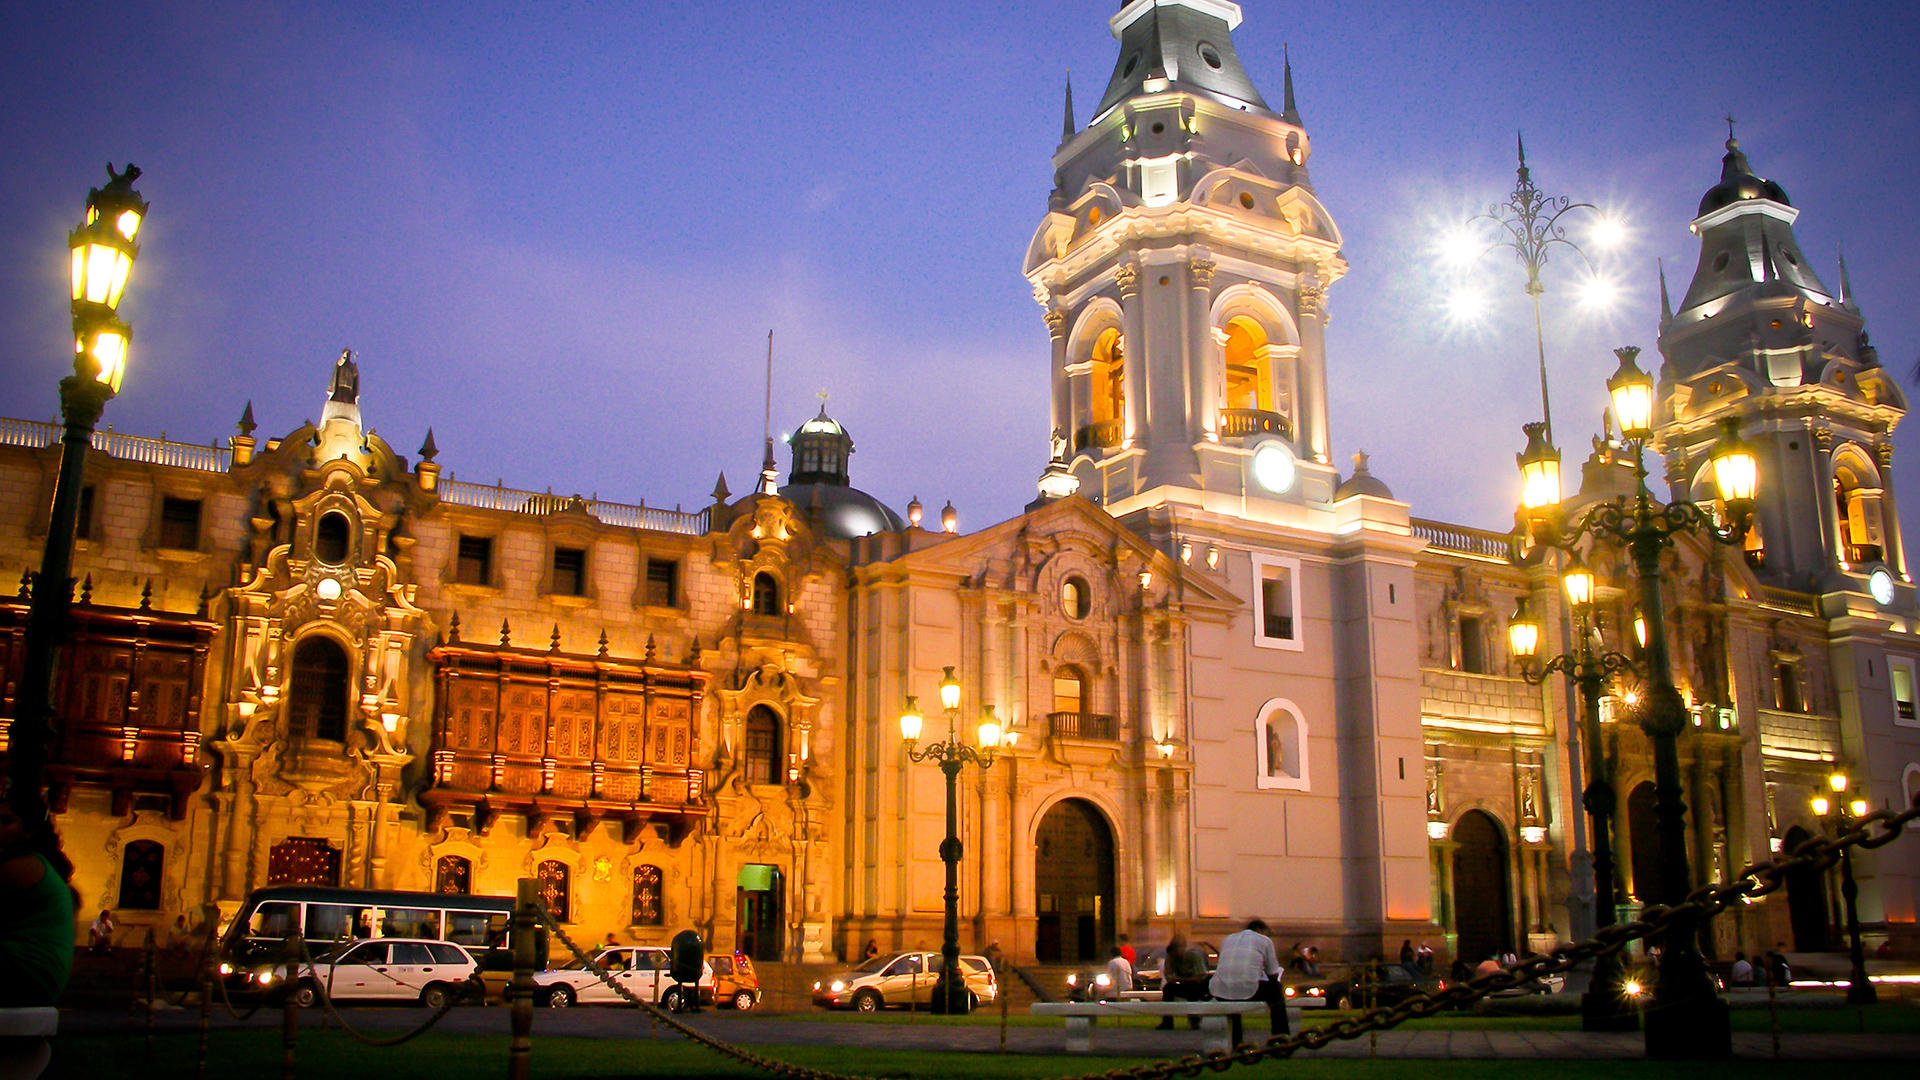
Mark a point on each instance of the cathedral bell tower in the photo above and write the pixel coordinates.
(1183, 267)
(1760, 340)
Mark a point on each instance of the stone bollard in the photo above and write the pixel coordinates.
(520, 1012)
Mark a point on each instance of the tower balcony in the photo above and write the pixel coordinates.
(1242, 423)
(1100, 433)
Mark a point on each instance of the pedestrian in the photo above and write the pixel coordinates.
(1312, 967)
(1126, 950)
(179, 936)
(1249, 971)
(1778, 973)
(1183, 977)
(1297, 958)
(993, 955)
(37, 902)
(1407, 955)
(1119, 973)
(1741, 974)
(1423, 958)
(100, 933)
(872, 950)
(610, 942)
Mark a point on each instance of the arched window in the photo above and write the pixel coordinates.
(556, 892)
(318, 698)
(332, 538)
(1109, 379)
(1856, 498)
(1280, 747)
(1249, 367)
(141, 863)
(766, 594)
(760, 749)
(453, 876)
(1074, 599)
(647, 907)
(1069, 690)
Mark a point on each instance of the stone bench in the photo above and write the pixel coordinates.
(1082, 1015)
(24, 1052)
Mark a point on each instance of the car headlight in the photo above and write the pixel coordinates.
(1102, 979)
(816, 986)
(1289, 991)
(226, 969)
(1073, 979)
(265, 977)
(836, 986)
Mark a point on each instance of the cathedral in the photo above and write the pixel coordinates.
(1236, 678)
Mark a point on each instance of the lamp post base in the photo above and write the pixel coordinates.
(1693, 1027)
(949, 997)
(1861, 992)
(1604, 1006)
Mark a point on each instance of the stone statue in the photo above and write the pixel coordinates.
(1057, 445)
(346, 380)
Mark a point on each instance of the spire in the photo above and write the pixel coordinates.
(1066, 126)
(429, 449)
(1159, 44)
(1846, 284)
(1735, 163)
(1666, 305)
(1520, 143)
(1287, 110)
(247, 425)
(720, 491)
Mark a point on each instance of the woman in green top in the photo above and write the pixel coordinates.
(36, 913)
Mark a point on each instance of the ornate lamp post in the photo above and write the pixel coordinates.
(950, 989)
(103, 252)
(1604, 1006)
(1685, 1018)
(1859, 988)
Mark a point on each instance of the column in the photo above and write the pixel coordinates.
(1833, 529)
(1311, 410)
(1060, 414)
(1135, 418)
(1895, 547)
(1203, 365)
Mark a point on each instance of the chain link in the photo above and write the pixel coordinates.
(1754, 881)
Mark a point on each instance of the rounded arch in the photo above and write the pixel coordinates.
(1280, 746)
(320, 694)
(1854, 464)
(1255, 302)
(1075, 853)
(1100, 314)
(1643, 842)
(764, 593)
(1857, 504)
(762, 742)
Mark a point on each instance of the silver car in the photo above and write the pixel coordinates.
(382, 969)
(903, 979)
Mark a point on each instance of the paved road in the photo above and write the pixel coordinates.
(772, 1029)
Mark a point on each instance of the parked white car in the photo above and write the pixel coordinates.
(903, 979)
(641, 969)
(383, 969)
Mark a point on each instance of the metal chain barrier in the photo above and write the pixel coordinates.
(1755, 881)
(323, 990)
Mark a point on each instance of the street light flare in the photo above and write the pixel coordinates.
(1598, 294)
(1608, 233)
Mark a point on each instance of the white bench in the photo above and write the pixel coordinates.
(24, 1052)
(1082, 1015)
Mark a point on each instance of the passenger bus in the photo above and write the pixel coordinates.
(269, 916)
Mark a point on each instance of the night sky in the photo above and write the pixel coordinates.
(559, 234)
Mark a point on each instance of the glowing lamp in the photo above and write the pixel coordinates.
(102, 247)
(1539, 473)
(1609, 233)
(949, 518)
(949, 691)
(1821, 805)
(989, 728)
(1640, 627)
(1436, 830)
(390, 721)
(910, 720)
(1523, 632)
(100, 351)
(1736, 471)
(1859, 807)
(1632, 392)
(1837, 781)
(1577, 579)
(1533, 834)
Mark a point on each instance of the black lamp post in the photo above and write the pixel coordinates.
(1859, 988)
(950, 989)
(1604, 1006)
(103, 251)
(1685, 1018)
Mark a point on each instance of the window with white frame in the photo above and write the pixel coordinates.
(1276, 595)
(1280, 747)
(1900, 680)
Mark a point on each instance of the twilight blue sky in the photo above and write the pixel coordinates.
(559, 233)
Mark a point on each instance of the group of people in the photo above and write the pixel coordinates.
(1248, 970)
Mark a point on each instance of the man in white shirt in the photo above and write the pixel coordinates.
(1249, 971)
(1119, 973)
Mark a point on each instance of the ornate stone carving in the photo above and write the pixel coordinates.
(1313, 299)
(1056, 321)
(1201, 270)
(1127, 276)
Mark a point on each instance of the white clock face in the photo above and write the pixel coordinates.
(1273, 467)
(1880, 584)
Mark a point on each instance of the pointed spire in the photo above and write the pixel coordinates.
(146, 596)
(554, 643)
(1287, 110)
(201, 608)
(1735, 163)
(1846, 283)
(650, 648)
(429, 449)
(26, 584)
(720, 491)
(246, 424)
(506, 634)
(453, 629)
(603, 642)
(1666, 305)
(86, 589)
(1520, 144)
(1067, 130)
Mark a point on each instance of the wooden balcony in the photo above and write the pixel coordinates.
(1076, 725)
(1241, 423)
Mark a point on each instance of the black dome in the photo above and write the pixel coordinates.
(842, 511)
(1738, 183)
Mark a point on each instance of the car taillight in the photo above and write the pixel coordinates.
(1289, 991)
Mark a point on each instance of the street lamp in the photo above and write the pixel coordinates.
(1601, 1006)
(1529, 223)
(103, 250)
(1859, 988)
(1685, 1019)
(950, 989)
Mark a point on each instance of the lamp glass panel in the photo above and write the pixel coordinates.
(1524, 636)
(109, 350)
(1821, 805)
(949, 695)
(1736, 474)
(1578, 581)
(1540, 483)
(128, 223)
(910, 725)
(989, 733)
(1633, 406)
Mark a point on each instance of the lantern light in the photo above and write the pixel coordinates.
(1632, 393)
(949, 691)
(1577, 579)
(1523, 631)
(103, 248)
(910, 720)
(989, 728)
(1736, 470)
(1539, 472)
(1821, 805)
(1837, 781)
(100, 351)
(1640, 627)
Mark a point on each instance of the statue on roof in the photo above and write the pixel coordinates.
(346, 380)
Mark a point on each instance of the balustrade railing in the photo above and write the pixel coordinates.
(1239, 423)
(142, 448)
(515, 501)
(1075, 725)
(1466, 540)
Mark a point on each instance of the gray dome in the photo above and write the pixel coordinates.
(1362, 482)
(841, 511)
(1738, 183)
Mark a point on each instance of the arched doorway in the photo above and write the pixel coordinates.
(1480, 888)
(1073, 880)
(1806, 901)
(1643, 837)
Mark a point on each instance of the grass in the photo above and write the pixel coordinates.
(330, 1055)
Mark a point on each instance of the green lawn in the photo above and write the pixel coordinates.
(330, 1055)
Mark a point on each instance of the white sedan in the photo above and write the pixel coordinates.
(640, 969)
(383, 969)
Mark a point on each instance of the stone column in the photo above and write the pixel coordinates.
(1133, 330)
(1061, 418)
(1311, 409)
(1203, 363)
(1894, 547)
(1833, 527)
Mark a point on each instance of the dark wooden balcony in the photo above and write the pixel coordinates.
(1078, 725)
(1240, 423)
(1100, 433)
